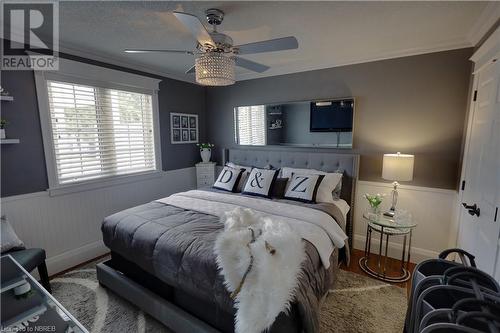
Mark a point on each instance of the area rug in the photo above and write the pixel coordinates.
(355, 304)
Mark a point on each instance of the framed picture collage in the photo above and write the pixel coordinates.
(183, 128)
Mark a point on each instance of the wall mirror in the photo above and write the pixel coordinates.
(320, 124)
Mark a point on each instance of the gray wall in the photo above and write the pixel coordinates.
(413, 104)
(23, 165)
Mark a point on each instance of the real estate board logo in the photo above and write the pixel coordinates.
(30, 35)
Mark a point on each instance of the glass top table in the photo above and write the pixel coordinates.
(27, 307)
(401, 225)
(403, 222)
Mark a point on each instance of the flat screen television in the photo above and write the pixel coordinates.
(332, 115)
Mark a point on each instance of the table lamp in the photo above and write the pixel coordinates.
(397, 167)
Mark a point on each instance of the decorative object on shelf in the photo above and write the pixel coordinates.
(205, 151)
(3, 92)
(276, 124)
(374, 200)
(397, 167)
(3, 123)
(183, 128)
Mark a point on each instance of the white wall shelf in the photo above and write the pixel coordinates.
(9, 141)
(7, 98)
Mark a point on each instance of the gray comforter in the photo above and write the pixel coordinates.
(176, 246)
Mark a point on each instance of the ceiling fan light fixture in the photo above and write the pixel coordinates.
(215, 69)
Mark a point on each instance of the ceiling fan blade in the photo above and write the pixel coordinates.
(196, 28)
(278, 44)
(191, 70)
(157, 51)
(251, 65)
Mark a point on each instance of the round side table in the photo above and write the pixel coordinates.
(386, 227)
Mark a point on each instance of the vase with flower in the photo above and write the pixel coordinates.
(374, 200)
(205, 151)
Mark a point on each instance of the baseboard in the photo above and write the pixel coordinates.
(75, 257)
(395, 249)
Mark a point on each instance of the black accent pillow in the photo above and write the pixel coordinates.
(228, 179)
(260, 182)
(279, 188)
(303, 187)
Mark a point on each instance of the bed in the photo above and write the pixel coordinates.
(162, 252)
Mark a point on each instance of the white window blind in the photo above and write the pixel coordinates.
(99, 132)
(251, 125)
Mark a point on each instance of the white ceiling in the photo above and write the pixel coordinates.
(329, 33)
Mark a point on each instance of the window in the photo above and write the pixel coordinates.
(100, 126)
(251, 125)
(99, 132)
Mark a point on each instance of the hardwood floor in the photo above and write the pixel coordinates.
(393, 265)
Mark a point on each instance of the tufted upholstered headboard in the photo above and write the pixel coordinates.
(328, 162)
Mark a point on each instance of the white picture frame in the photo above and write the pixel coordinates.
(184, 128)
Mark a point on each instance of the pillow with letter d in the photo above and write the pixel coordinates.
(228, 179)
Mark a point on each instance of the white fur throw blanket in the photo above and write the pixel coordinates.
(270, 285)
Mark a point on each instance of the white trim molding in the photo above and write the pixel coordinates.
(68, 226)
(432, 208)
(82, 73)
(487, 52)
(485, 22)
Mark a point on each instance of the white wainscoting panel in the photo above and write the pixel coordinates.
(433, 209)
(68, 226)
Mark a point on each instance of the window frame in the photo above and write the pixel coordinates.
(80, 73)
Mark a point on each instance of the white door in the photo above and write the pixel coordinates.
(480, 234)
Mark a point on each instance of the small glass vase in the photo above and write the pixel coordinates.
(374, 213)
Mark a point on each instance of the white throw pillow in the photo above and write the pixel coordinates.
(244, 175)
(303, 187)
(260, 182)
(10, 241)
(328, 184)
(228, 179)
(237, 166)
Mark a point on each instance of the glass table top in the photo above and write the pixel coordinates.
(27, 307)
(400, 221)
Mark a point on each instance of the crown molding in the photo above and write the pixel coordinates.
(439, 47)
(487, 52)
(75, 51)
(489, 16)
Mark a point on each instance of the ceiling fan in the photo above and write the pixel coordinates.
(216, 56)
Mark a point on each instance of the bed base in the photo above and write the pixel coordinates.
(156, 306)
(178, 310)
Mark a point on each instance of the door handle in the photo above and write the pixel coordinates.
(473, 209)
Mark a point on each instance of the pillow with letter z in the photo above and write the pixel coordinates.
(228, 179)
(260, 182)
(303, 187)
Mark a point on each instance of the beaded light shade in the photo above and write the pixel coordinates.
(214, 69)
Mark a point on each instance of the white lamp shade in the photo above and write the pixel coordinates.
(398, 167)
